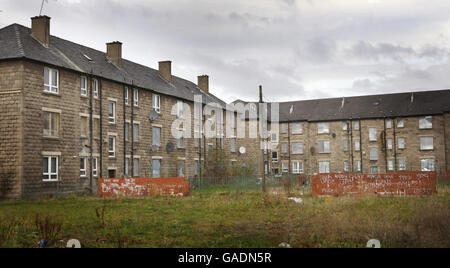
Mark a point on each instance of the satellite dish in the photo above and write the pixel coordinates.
(170, 147)
(334, 135)
(242, 150)
(153, 115)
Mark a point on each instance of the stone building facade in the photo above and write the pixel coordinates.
(70, 115)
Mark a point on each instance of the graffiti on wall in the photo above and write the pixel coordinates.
(382, 185)
(142, 187)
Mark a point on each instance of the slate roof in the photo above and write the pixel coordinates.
(16, 42)
(366, 107)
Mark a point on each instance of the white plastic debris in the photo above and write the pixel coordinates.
(296, 200)
(284, 245)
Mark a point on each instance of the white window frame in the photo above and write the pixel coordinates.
(328, 167)
(373, 168)
(153, 136)
(346, 145)
(180, 109)
(51, 88)
(284, 128)
(48, 132)
(83, 91)
(297, 128)
(284, 167)
(112, 153)
(323, 128)
(356, 125)
(390, 144)
(180, 140)
(95, 167)
(346, 166)
(301, 147)
(284, 148)
(112, 119)
(96, 89)
(126, 96)
(389, 123)
(83, 171)
(297, 167)
(233, 145)
(358, 165)
(136, 170)
(156, 103)
(401, 143)
(373, 134)
(400, 123)
(422, 162)
(275, 159)
(424, 123)
(371, 150)
(401, 164)
(136, 97)
(357, 145)
(49, 174)
(153, 168)
(423, 147)
(325, 151)
(344, 126)
(390, 166)
(136, 132)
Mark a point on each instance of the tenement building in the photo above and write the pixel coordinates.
(70, 115)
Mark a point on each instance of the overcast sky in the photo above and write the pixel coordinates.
(296, 49)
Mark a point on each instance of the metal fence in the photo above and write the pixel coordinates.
(251, 183)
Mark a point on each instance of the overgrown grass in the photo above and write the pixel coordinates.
(223, 218)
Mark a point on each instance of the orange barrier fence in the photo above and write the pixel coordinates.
(142, 187)
(382, 185)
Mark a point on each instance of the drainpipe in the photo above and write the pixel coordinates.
(361, 145)
(132, 129)
(385, 145)
(350, 129)
(125, 89)
(394, 144)
(91, 132)
(101, 127)
(445, 144)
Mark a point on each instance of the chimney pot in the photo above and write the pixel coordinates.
(165, 70)
(40, 29)
(114, 52)
(203, 83)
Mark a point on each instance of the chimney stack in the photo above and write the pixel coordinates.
(40, 29)
(260, 95)
(114, 52)
(203, 83)
(165, 70)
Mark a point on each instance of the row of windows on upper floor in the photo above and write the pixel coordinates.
(426, 164)
(425, 122)
(426, 144)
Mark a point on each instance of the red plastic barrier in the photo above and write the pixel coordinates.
(142, 187)
(382, 185)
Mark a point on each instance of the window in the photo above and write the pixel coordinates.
(275, 157)
(284, 128)
(180, 140)
(127, 166)
(402, 164)
(390, 165)
(284, 148)
(233, 121)
(136, 167)
(112, 112)
(84, 126)
(389, 123)
(112, 146)
(180, 169)
(324, 167)
(285, 167)
(156, 103)
(297, 167)
(344, 126)
(373, 154)
(96, 88)
(372, 134)
(51, 124)
(126, 96)
(50, 168)
(297, 128)
(127, 131)
(427, 164)
(357, 145)
(82, 167)
(136, 132)
(358, 165)
(180, 109)
(400, 123)
(426, 122)
(136, 97)
(346, 146)
(373, 170)
(356, 125)
(83, 86)
(389, 144)
(346, 166)
(323, 128)
(324, 147)
(51, 80)
(426, 143)
(156, 136)
(274, 137)
(297, 148)
(401, 143)
(95, 167)
(233, 145)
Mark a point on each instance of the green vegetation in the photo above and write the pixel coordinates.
(224, 218)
